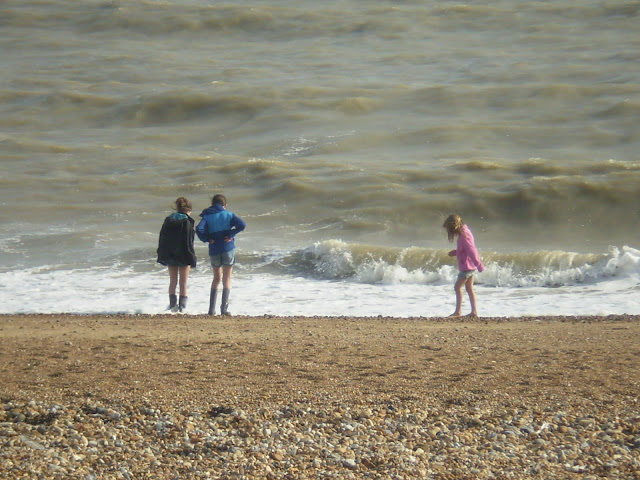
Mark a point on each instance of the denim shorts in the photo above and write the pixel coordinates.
(224, 259)
(464, 274)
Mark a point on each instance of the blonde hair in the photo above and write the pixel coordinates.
(182, 205)
(453, 224)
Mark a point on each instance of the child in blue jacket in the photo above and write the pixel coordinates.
(218, 227)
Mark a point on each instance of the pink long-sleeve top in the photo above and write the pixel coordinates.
(466, 252)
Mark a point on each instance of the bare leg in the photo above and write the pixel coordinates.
(217, 276)
(472, 297)
(173, 280)
(226, 277)
(458, 289)
(184, 279)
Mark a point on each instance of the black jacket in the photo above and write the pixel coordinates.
(175, 245)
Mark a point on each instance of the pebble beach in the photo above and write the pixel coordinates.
(181, 397)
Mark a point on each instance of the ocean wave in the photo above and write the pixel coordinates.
(266, 106)
(172, 107)
(535, 192)
(337, 260)
(58, 107)
(626, 109)
(151, 18)
(28, 145)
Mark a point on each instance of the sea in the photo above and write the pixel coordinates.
(343, 132)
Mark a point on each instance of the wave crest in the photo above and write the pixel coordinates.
(338, 260)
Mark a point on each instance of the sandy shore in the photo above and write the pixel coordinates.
(270, 397)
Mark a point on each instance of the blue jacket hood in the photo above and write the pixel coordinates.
(212, 209)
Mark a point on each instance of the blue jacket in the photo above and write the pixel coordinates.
(221, 226)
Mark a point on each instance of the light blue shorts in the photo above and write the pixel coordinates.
(464, 274)
(225, 259)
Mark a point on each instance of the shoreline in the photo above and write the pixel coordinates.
(462, 318)
(193, 396)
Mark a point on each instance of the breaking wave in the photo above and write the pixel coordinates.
(338, 260)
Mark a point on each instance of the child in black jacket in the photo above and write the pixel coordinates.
(176, 251)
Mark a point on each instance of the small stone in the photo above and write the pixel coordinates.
(349, 463)
(31, 443)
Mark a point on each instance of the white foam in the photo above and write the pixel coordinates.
(113, 290)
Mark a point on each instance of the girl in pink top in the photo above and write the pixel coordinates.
(468, 261)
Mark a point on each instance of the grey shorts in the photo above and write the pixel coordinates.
(464, 274)
(225, 259)
(173, 263)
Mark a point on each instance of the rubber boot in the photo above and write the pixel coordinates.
(225, 301)
(212, 301)
(183, 304)
(173, 302)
